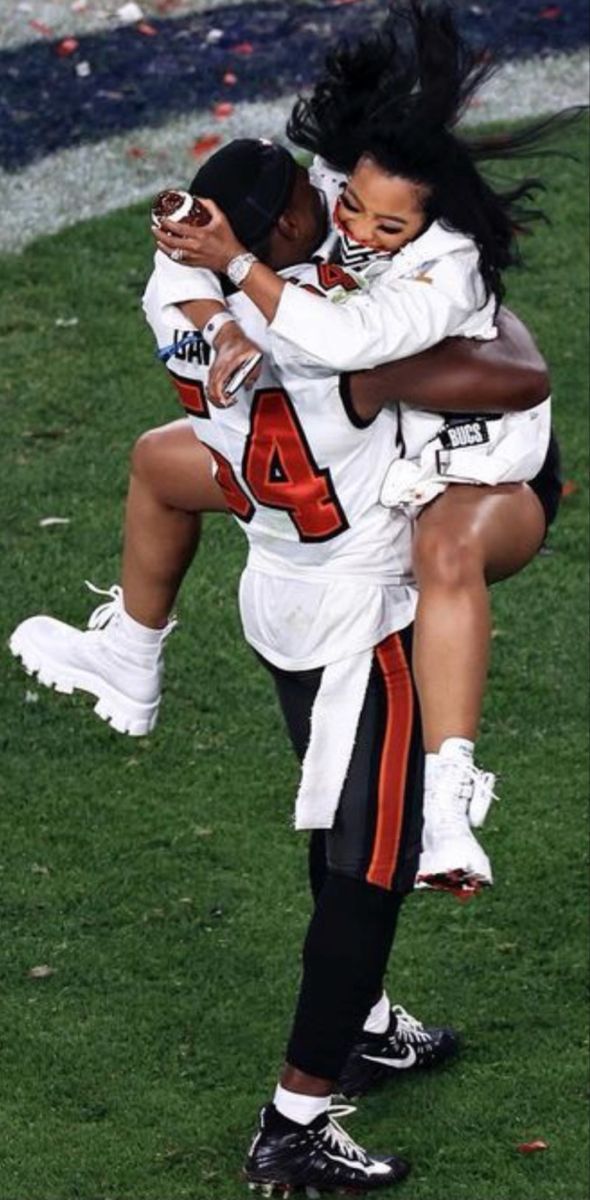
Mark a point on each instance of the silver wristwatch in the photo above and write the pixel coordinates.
(239, 267)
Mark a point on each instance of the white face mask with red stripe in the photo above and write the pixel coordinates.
(355, 254)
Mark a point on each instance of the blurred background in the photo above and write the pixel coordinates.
(153, 896)
(104, 102)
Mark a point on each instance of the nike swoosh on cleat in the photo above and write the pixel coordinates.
(373, 1169)
(401, 1063)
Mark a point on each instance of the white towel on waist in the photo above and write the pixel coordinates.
(334, 722)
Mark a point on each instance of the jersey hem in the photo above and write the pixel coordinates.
(404, 619)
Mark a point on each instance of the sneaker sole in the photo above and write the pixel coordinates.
(284, 1191)
(435, 870)
(269, 1188)
(457, 883)
(121, 713)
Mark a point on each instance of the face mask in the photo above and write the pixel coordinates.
(355, 254)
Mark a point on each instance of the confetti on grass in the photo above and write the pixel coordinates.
(569, 488)
(44, 971)
(532, 1147)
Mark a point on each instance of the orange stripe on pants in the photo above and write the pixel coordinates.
(394, 760)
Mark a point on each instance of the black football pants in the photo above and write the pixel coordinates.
(361, 869)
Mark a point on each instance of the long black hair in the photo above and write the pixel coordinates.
(397, 96)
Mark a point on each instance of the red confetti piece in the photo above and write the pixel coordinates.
(532, 1147)
(136, 152)
(230, 78)
(206, 143)
(40, 27)
(244, 48)
(569, 488)
(552, 13)
(67, 46)
(465, 895)
(146, 29)
(223, 109)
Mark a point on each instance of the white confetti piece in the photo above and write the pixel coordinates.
(128, 13)
(44, 971)
(69, 322)
(31, 697)
(214, 35)
(45, 522)
(83, 70)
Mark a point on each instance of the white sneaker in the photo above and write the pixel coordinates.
(124, 674)
(458, 800)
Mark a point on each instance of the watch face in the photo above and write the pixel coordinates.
(239, 268)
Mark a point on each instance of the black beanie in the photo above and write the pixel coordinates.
(251, 180)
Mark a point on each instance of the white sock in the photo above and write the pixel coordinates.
(299, 1108)
(379, 1016)
(430, 769)
(454, 747)
(140, 634)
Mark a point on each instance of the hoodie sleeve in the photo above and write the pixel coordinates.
(391, 318)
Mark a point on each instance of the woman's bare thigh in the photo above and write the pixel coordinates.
(504, 525)
(178, 468)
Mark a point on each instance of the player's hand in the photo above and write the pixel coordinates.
(211, 245)
(232, 349)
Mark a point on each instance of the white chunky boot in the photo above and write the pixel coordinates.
(115, 659)
(456, 800)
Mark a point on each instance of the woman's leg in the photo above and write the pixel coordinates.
(119, 658)
(468, 538)
(171, 484)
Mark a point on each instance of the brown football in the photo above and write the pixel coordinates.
(174, 204)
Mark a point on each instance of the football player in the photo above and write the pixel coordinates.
(327, 600)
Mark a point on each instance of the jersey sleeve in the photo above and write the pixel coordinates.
(177, 284)
(391, 318)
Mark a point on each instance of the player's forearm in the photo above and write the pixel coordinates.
(199, 312)
(460, 375)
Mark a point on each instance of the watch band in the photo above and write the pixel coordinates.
(239, 267)
(211, 329)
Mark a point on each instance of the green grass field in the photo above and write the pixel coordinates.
(159, 877)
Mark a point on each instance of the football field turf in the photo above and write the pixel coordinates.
(159, 879)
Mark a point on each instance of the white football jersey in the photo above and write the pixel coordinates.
(329, 568)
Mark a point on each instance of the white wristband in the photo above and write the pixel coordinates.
(211, 329)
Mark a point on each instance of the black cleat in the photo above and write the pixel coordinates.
(286, 1157)
(406, 1045)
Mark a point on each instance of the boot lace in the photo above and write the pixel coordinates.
(336, 1138)
(407, 1028)
(104, 613)
(461, 790)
